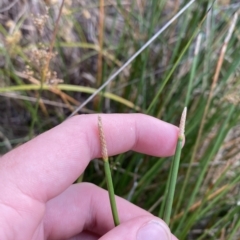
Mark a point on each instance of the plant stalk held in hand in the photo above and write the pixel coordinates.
(108, 172)
(174, 169)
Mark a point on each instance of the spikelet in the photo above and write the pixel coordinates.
(182, 123)
(102, 140)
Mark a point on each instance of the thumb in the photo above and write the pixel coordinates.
(140, 228)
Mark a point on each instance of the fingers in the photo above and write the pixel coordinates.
(85, 207)
(140, 228)
(93, 214)
(84, 236)
(47, 165)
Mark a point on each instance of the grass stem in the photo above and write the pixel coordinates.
(108, 173)
(111, 193)
(174, 170)
(193, 69)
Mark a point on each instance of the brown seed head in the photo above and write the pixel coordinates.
(102, 140)
(182, 123)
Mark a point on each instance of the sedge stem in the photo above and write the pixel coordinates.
(172, 185)
(111, 193)
(174, 170)
(108, 173)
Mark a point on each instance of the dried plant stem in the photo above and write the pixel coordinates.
(45, 69)
(101, 36)
(199, 203)
(68, 87)
(221, 58)
(65, 97)
(108, 173)
(43, 107)
(34, 99)
(174, 169)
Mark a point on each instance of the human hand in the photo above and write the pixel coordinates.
(38, 200)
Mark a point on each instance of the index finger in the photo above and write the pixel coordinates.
(45, 166)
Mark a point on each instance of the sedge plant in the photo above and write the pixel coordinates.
(108, 172)
(155, 81)
(174, 170)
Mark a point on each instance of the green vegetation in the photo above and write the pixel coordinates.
(195, 62)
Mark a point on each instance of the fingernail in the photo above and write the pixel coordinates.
(153, 230)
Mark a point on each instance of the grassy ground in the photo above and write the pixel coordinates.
(195, 63)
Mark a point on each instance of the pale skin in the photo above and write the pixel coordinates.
(37, 198)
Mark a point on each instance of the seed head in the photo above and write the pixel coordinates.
(102, 140)
(182, 123)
